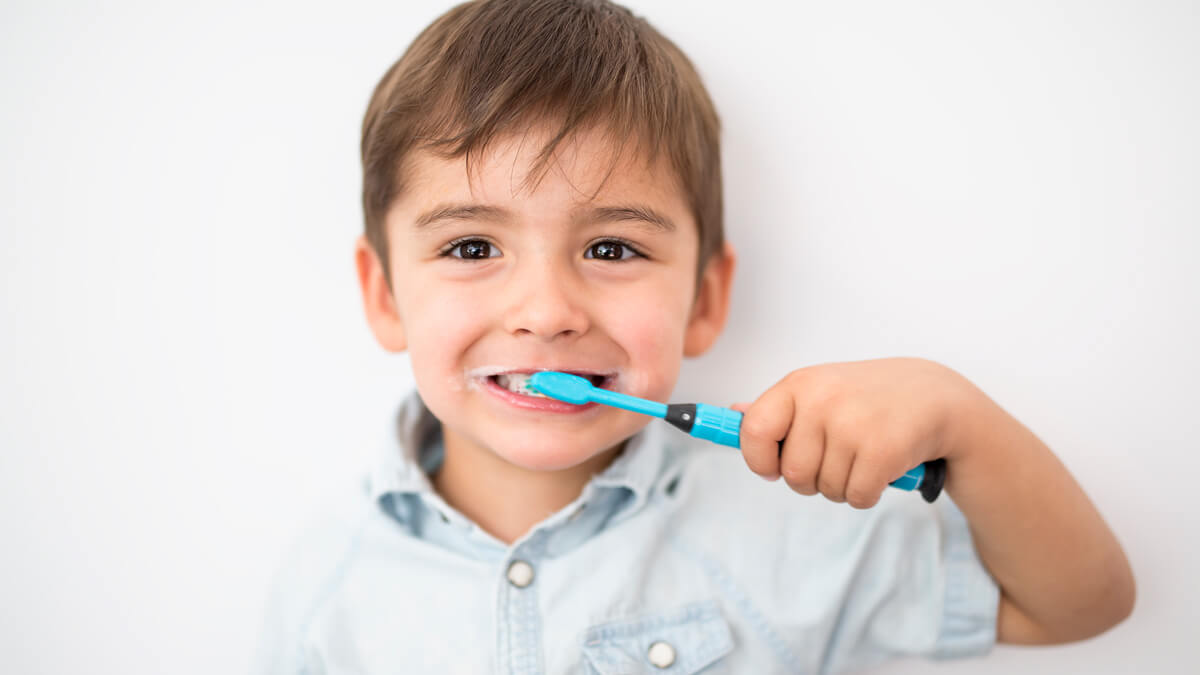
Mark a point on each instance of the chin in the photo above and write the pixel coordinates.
(552, 452)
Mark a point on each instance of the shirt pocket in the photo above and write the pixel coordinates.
(683, 640)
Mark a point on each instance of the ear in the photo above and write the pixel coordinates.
(378, 302)
(711, 307)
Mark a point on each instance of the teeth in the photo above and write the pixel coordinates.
(518, 383)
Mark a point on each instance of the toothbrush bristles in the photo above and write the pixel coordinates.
(523, 383)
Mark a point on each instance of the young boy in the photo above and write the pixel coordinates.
(542, 191)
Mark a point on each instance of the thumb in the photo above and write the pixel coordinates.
(740, 407)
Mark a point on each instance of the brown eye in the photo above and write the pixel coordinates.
(611, 250)
(472, 249)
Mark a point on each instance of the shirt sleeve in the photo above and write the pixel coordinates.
(828, 588)
(919, 590)
(971, 597)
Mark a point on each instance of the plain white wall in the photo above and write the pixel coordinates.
(1009, 188)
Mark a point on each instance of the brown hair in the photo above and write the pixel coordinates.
(486, 67)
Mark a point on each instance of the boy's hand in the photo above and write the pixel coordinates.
(849, 429)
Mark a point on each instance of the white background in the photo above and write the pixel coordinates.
(1009, 188)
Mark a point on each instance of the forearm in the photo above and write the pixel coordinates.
(1038, 534)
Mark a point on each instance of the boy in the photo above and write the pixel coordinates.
(542, 191)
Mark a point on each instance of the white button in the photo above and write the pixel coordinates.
(520, 573)
(661, 654)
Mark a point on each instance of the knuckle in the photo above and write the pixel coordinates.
(797, 477)
(820, 394)
(830, 489)
(760, 467)
(757, 457)
(831, 380)
(861, 498)
(876, 453)
(847, 419)
(796, 377)
(756, 428)
(757, 466)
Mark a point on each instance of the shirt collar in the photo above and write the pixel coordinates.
(398, 467)
(650, 459)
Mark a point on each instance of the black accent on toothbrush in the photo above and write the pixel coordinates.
(682, 415)
(935, 478)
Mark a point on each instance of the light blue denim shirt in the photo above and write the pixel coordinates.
(673, 560)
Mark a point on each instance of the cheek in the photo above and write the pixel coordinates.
(651, 333)
(441, 320)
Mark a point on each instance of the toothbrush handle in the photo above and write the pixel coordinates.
(723, 425)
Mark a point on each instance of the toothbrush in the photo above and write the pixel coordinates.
(710, 422)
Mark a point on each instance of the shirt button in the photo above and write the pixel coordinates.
(520, 573)
(661, 654)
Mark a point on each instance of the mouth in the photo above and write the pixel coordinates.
(518, 381)
(512, 387)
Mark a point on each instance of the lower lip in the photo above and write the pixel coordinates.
(534, 402)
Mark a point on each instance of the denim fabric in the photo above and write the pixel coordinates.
(677, 546)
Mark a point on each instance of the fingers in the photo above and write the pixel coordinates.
(764, 424)
(803, 451)
(864, 486)
(809, 459)
(847, 430)
(869, 477)
(834, 473)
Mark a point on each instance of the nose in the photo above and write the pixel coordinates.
(545, 302)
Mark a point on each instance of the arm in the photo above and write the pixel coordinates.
(1062, 574)
(846, 429)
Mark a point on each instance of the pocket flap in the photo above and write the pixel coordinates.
(676, 642)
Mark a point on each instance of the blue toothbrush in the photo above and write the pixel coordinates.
(710, 422)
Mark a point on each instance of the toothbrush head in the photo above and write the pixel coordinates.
(562, 386)
(519, 382)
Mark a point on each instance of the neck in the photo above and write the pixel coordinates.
(512, 499)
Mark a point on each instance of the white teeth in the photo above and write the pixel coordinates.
(518, 383)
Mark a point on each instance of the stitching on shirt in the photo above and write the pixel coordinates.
(718, 574)
(331, 582)
(699, 626)
(519, 633)
(630, 627)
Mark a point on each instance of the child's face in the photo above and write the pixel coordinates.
(535, 281)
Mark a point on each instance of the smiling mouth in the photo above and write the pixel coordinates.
(518, 382)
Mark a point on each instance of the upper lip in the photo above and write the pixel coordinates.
(588, 372)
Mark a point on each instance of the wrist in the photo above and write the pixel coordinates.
(970, 416)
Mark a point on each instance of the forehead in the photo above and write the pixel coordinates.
(587, 174)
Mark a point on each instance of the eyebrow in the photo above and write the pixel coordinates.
(637, 213)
